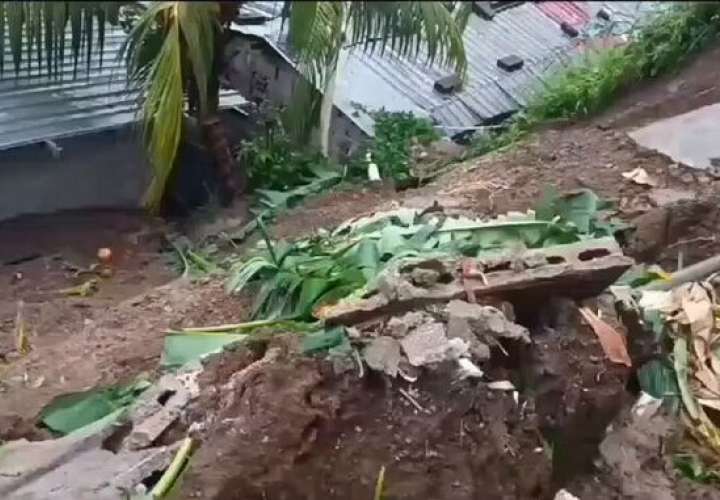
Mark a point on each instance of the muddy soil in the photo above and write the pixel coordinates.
(292, 429)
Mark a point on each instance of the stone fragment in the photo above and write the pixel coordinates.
(424, 277)
(428, 344)
(383, 354)
(483, 321)
(399, 326)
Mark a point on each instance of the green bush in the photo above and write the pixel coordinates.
(582, 89)
(390, 149)
(272, 161)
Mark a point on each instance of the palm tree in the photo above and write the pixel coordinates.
(174, 55)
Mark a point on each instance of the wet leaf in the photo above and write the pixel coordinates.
(657, 378)
(323, 340)
(71, 412)
(181, 348)
(680, 354)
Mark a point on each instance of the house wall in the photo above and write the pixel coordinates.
(107, 170)
(261, 75)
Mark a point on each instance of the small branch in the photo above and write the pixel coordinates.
(412, 400)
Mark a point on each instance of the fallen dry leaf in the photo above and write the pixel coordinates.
(612, 341)
(640, 176)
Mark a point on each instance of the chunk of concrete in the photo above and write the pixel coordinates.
(483, 321)
(689, 138)
(159, 407)
(428, 344)
(383, 354)
(459, 327)
(399, 326)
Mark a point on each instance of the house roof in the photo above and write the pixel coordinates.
(36, 107)
(530, 30)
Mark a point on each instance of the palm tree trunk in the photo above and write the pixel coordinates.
(213, 128)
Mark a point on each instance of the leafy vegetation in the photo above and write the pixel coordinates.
(274, 162)
(390, 149)
(70, 412)
(292, 280)
(593, 82)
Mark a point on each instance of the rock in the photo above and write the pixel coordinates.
(428, 344)
(159, 407)
(460, 328)
(383, 354)
(565, 495)
(663, 197)
(630, 452)
(398, 327)
(483, 321)
(425, 277)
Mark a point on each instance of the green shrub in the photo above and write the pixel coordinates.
(390, 149)
(272, 161)
(582, 89)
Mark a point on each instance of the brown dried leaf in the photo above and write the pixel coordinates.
(709, 380)
(612, 341)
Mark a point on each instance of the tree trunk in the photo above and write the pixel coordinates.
(217, 144)
(213, 128)
(326, 109)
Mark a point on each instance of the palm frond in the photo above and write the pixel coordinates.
(36, 27)
(162, 113)
(172, 43)
(410, 27)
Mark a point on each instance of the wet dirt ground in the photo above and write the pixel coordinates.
(308, 434)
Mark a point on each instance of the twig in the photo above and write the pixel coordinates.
(699, 239)
(361, 370)
(412, 400)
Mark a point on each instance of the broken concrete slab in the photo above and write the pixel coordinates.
(40, 469)
(428, 344)
(689, 138)
(578, 270)
(460, 328)
(158, 408)
(383, 354)
(399, 326)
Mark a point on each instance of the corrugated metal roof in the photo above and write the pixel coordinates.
(35, 106)
(530, 31)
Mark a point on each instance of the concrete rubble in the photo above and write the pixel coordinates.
(99, 470)
(579, 270)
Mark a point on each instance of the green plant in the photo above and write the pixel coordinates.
(390, 149)
(583, 88)
(669, 39)
(293, 280)
(272, 161)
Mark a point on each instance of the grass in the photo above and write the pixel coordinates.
(595, 81)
